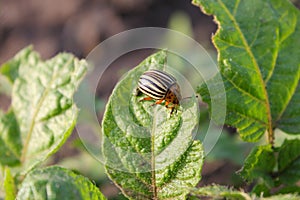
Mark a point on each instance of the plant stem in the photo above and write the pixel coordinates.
(154, 188)
(271, 137)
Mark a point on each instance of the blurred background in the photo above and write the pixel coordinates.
(77, 26)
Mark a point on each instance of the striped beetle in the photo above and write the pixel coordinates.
(160, 86)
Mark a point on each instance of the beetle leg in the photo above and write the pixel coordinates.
(172, 107)
(166, 104)
(145, 99)
(159, 101)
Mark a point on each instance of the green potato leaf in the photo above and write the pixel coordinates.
(9, 185)
(219, 192)
(149, 153)
(9, 71)
(42, 114)
(259, 164)
(26, 56)
(289, 189)
(57, 183)
(261, 189)
(258, 45)
(10, 140)
(282, 197)
(289, 162)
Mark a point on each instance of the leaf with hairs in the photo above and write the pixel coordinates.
(42, 114)
(149, 153)
(57, 183)
(258, 46)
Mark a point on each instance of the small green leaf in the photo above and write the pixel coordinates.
(9, 185)
(259, 63)
(26, 56)
(219, 192)
(290, 189)
(57, 183)
(150, 153)
(282, 197)
(288, 153)
(43, 113)
(259, 165)
(289, 161)
(5, 85)
(261, 189)
(10, 140)
(9, 71)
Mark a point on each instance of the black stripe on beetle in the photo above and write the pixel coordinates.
(146, 89)
(160, 86)
(162, 77)
(151, 86)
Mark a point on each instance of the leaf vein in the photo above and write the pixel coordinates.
(289, 100)
(249, 117)
(243, 91)
(37, 109)
(274, 58)
(237, 3)
(256, 66)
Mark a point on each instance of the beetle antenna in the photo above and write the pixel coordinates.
(190, 97)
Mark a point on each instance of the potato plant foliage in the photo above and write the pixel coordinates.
(148, 153)
(260, 67)
(41, 117)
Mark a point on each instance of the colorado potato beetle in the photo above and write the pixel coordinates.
(160, 86)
